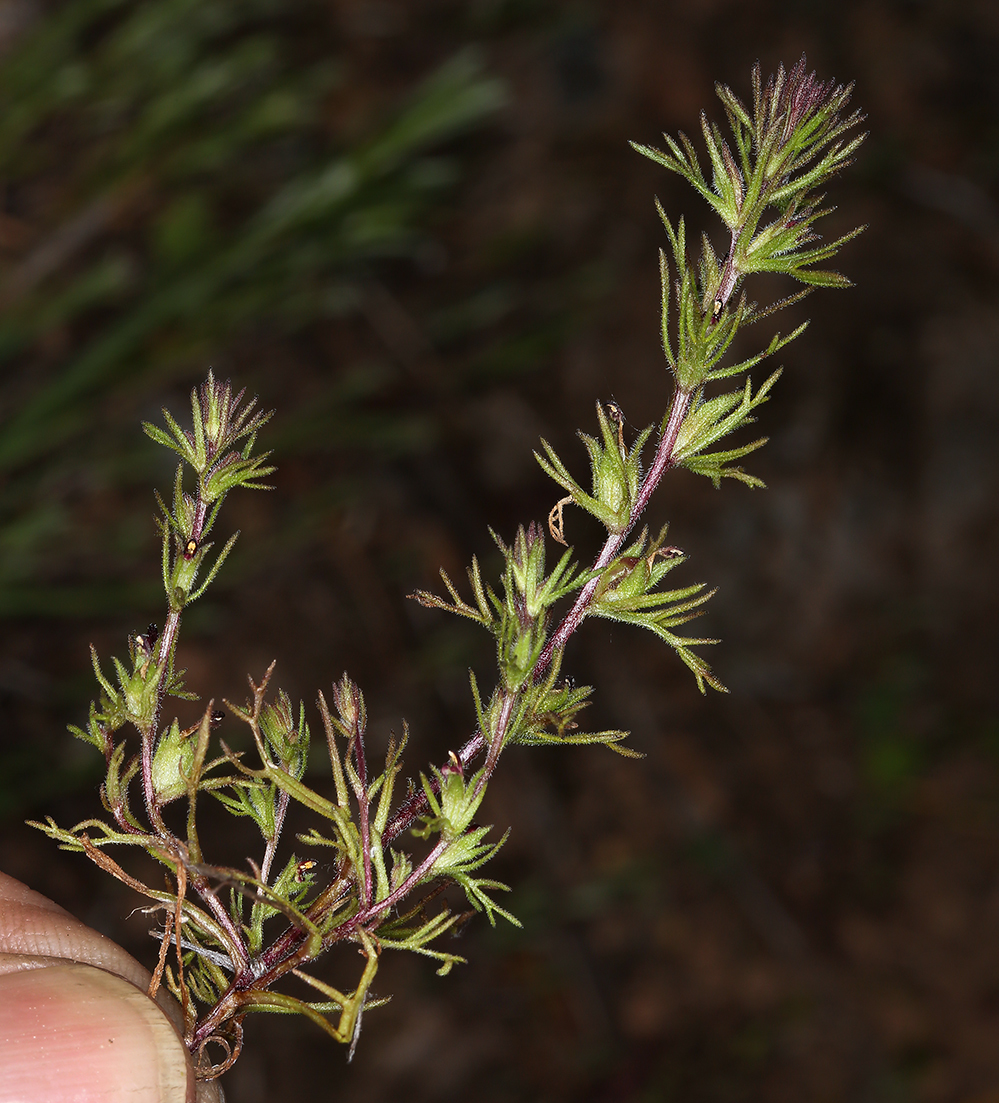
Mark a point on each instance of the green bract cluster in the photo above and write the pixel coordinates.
(236, 932)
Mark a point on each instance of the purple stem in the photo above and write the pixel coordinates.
(167, 641)
(279, 813)
(729, 273)
(403, 890)
(416, 804)
(662, 462)
(363, 813)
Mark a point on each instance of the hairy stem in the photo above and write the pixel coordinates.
(730, 274)
(272, 843)
(148, 791)
(662, 462)
(416, 804)
(363, 812)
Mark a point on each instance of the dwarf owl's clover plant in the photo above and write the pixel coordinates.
(238, 934)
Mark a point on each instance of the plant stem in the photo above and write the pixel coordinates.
(407, 886)
(662, 462)
(147, 736)
(496, 739)
(416, 804)
(363, 812)
(272, 843)
(729, 274)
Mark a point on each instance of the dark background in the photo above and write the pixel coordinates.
(796, 894)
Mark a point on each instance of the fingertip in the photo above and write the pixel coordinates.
(74, 1031)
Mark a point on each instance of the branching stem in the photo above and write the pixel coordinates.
(795, 119)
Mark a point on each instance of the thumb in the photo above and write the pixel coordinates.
(69, 1030)
(75, 1020)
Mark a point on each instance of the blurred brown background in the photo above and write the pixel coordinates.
(796, 895)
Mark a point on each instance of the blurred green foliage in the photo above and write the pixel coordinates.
(175, 183)
(898, 735)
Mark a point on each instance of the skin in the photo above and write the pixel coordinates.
(76, 1025)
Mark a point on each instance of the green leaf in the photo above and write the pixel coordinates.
(711, 420)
